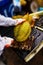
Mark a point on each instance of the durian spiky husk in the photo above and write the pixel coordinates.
(22, 31)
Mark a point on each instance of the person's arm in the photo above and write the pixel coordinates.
(7, 21)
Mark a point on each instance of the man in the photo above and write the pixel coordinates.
(6, 22)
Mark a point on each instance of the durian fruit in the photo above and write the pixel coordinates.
(22, 31)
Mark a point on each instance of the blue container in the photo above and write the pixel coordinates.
(40, 9)
(8, 8)
(2, 2)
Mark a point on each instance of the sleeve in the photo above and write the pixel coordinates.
(7, 21)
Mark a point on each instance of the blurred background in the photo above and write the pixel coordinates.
(15, 7)
(10, 8)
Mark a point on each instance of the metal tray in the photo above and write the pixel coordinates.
(39, 45)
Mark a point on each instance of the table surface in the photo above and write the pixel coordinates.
(13, 59)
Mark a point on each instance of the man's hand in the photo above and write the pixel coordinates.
(19, 21)
(9, 41)
(5, 42)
